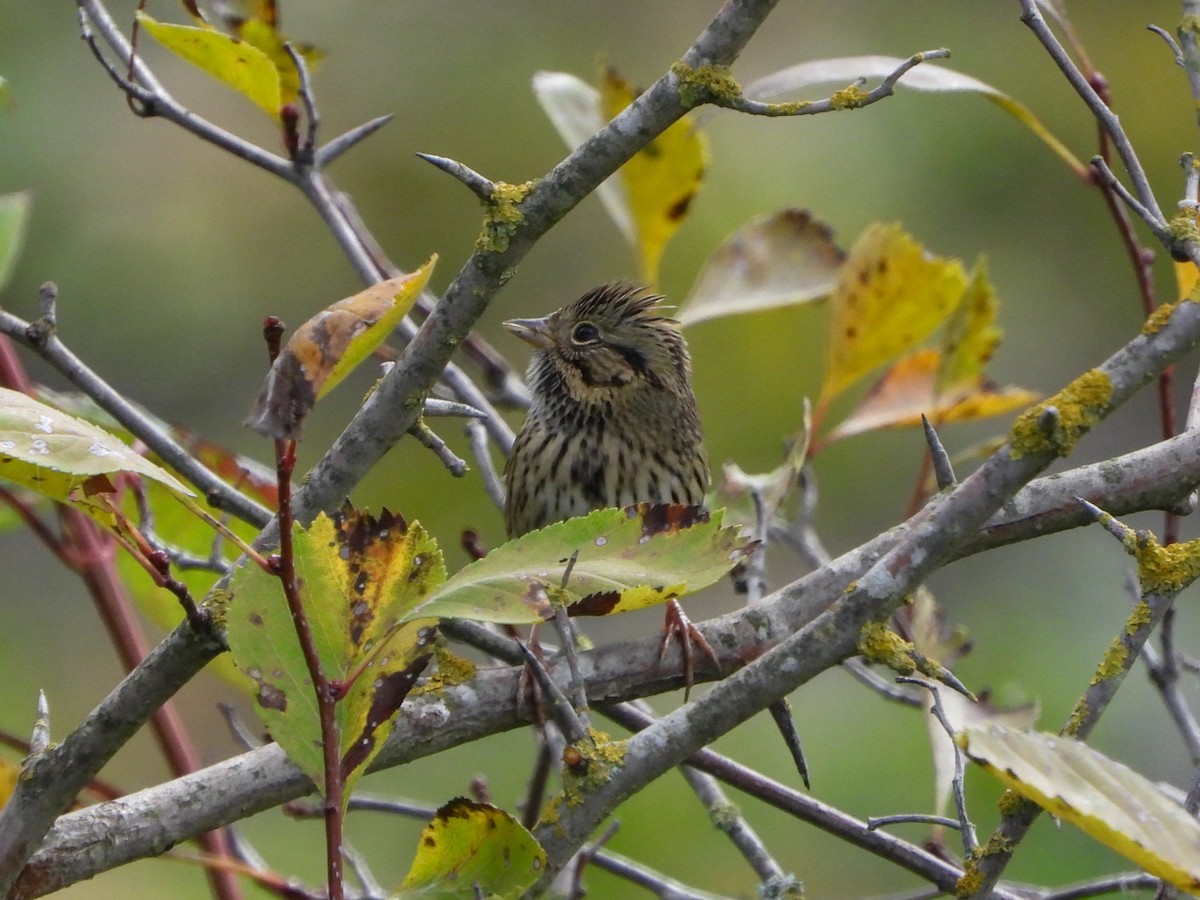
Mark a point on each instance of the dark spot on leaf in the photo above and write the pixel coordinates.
(461, 808)
(255, 619)
(666, 518)
(429, 841)
(679, 210)
(388, 693)
(271, 697)
(97, 484)
(599, 604)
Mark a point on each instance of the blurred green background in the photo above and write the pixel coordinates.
(168, 254)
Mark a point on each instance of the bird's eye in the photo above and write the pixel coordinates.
(585, 333)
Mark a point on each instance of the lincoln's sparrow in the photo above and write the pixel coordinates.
(613, 420)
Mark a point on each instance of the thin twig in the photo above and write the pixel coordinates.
(1031, 16)
(1150, 217)
(477, 437)
(425, 435)
(850, 98)
(146, 429)
(969, 839)
(913, 818)
(560, 705)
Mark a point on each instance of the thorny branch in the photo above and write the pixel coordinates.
(823, 634)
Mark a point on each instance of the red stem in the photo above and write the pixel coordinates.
(285, 463)
(97, 568)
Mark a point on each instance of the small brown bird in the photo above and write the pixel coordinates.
(613, 420)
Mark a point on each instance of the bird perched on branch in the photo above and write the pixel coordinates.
(613, 420)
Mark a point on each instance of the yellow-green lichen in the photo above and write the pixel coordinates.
(1080, 405)
(598, 756)
(451, 670)
(503, 217)
(879, 644)
(1113, 664)
(969, 882)
(1079, 715)
(1138, 619)
(1010, 803)
(1183, 229)
(216, 606)
(1189, 25)
(551, 812)
(849, 97)
(726, 816)
(706, 84)
(1166, 570)
(1158, 318)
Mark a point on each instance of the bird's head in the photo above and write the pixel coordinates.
(611, 341)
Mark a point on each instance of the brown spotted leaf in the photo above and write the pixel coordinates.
(360, 576)
(661, 179)
(628, 559)
(327, 347)
(472, 850)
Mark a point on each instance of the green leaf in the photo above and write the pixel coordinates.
(238, 64)
(628, 559)
(14, 213)
(359, 576)
(470, 850)
(1111, 802)
(67, 459)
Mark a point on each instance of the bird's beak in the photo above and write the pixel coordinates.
(532, 331)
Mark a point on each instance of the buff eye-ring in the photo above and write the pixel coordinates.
(585, 333)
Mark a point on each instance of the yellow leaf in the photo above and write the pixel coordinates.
(327, 347)
(9, 773)
(472, 849)
(262, 34)
(661, 179)
(1109, 801)
(907, 390)
(1186, 276)
(238, 64)
(986, 401)
(971, 336)
(890, 295)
